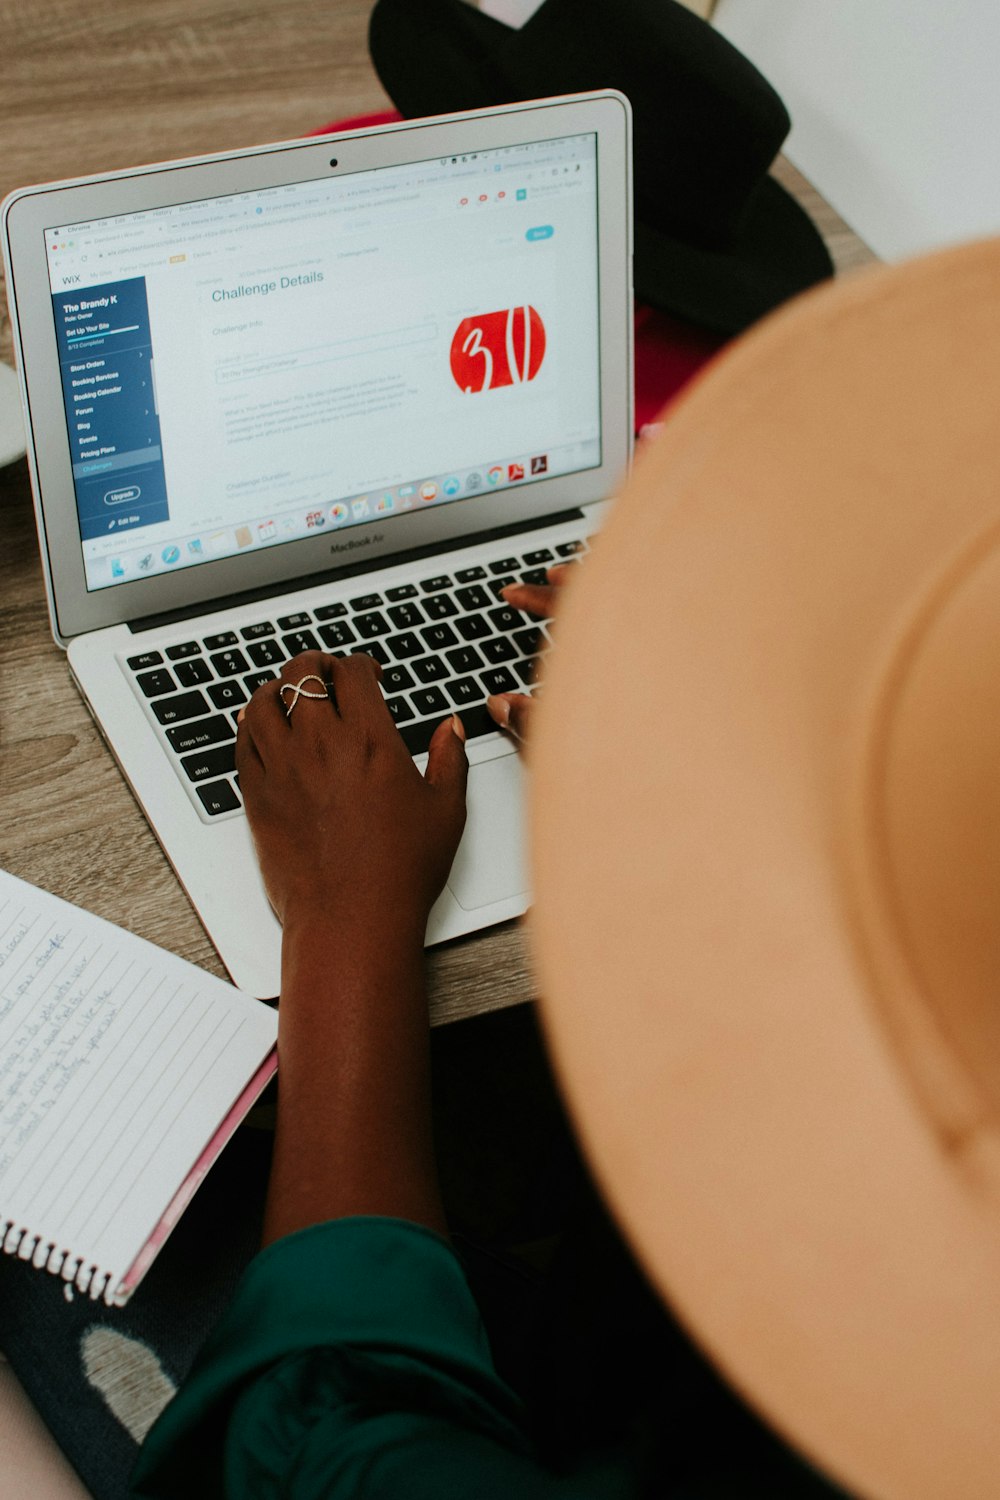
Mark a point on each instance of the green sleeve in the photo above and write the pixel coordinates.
(352, 1362)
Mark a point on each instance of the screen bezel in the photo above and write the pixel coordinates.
(28, 212)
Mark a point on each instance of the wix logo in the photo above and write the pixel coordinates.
(71, 281)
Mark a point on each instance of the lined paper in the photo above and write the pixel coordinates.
(118, 1062)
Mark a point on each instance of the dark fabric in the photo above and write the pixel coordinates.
(587, 1362)
(717, 240)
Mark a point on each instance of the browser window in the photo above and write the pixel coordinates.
(244, 371)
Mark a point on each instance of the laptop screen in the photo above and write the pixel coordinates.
(244, 371)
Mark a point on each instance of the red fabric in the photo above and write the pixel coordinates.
(668, 351)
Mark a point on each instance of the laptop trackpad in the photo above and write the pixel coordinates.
(490, 864)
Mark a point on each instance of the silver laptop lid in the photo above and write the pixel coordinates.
(243, 370)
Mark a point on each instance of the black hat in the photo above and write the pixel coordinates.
(716, 239)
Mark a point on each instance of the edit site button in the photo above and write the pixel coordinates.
(123, 496)
(540, 232)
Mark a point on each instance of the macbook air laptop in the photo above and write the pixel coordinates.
(330, 393)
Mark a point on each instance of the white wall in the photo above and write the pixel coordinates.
(895, 107)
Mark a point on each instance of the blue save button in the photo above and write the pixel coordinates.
(540, 232)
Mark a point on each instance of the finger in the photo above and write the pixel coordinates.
(447, 763)
(249, 764)
(305, 686)
(262, 724)
(356, 690)
(539, 598)
(512, 711)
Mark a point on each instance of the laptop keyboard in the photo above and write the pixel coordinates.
(445, 643)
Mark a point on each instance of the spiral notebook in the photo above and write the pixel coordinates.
(124, 1070)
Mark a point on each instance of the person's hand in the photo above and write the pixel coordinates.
(346, 829)
(512, 711)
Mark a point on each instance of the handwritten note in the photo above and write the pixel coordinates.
(117, 1063)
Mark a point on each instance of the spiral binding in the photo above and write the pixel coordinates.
(88, 1279)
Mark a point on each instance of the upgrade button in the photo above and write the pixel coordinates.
(124, 496)
(540, 232)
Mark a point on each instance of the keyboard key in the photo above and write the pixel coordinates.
(194, 672)
(400, 709)
(405, 616)
(369, 626)
(187, 648)
(402, 591)
(181, 706)
(475, 597)
(155, 683)
(526, 641)
(330, 611)
(430, 701)
(406, 645)
(464, 690)
(395, 679)
(265, 653)
(201, 732)
(465, 659)
(505, 565)
(257, 632)
(507, 618)
(439, 636)
(221, 641)
(499, 584)
(416, 737)
(569, 549)
(434, 585)
(218, 797)
(253, 682)
(477, 721)
(440, 607)
(499, 680)
(500, 649)
(535, 575)
(469, 575)
(473, 627)
(535, 559)
(146, 659)
(206, 763)
(294, 622)
(229, 663)
(227, 694)
(374, 649)
(338, 634)
(366, 601)
(299, 640)
(430, 669)
(525, 669)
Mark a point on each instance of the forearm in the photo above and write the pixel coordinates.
(353, 1129)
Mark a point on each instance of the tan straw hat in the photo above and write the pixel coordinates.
(767, 863)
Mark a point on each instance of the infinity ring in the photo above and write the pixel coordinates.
(298, 690)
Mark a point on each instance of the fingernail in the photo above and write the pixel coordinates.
(458, 727)
(499, 709)
(241, 716)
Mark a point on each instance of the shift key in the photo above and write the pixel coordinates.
(216, 762)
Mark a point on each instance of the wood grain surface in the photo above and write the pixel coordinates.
(92, 85)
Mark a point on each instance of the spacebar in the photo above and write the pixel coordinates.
(477, 721)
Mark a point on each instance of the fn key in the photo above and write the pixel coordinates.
(218, 797)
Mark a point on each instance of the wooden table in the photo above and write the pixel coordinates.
(110, 83)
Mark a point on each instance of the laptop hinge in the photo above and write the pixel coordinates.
(352, 570)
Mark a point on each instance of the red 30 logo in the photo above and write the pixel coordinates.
(497, 348)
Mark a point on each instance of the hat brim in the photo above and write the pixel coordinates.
(440, 57)
(756, 960)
